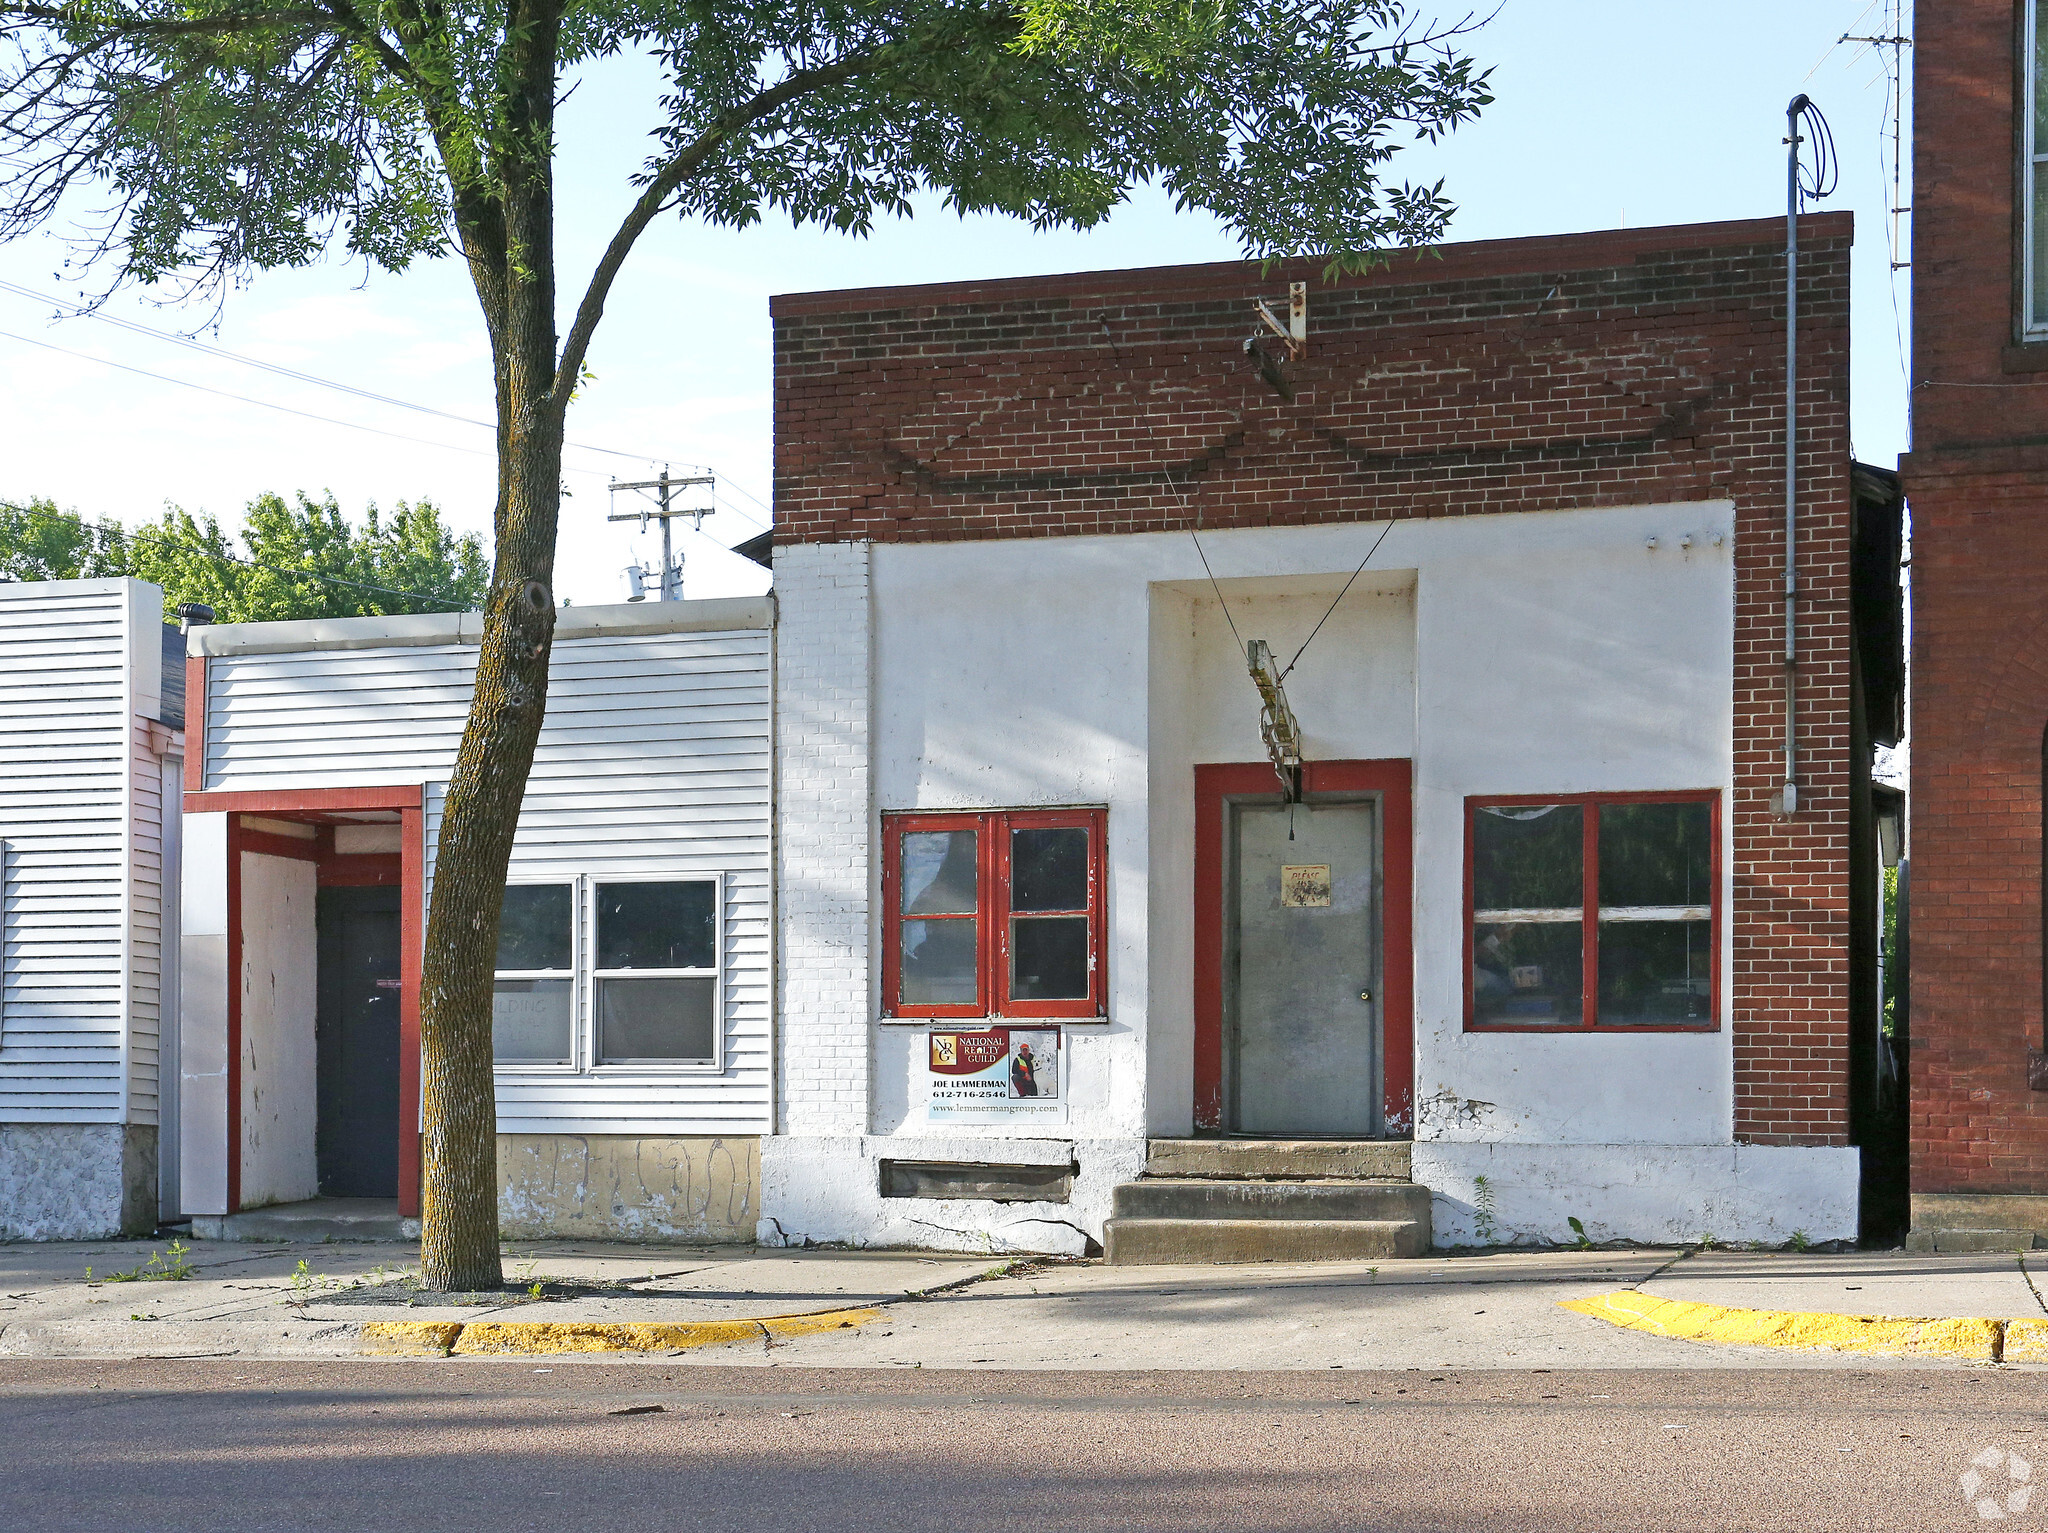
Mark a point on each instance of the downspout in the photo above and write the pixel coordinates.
(1788, 803)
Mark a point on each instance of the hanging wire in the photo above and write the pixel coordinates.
(193, 343)
(206, 348)
(1189, 507)
(266, 404)
(1362, 563)
(1825, 174)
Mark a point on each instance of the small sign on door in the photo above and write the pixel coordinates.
(1306, 884)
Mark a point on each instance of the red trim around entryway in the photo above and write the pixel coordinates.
(1393, 781)
(317, 804)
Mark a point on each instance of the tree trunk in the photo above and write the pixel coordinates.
(458, 1161)
(514, 275)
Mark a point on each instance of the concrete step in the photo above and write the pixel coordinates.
(1248, 1159)
(1156, 1197)
(1162, 1242)
(316, 1219)
(1970, 1240)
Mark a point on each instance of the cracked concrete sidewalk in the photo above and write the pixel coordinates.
(1498, 1310)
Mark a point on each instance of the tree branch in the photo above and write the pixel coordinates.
(680, 167)
(141, 26)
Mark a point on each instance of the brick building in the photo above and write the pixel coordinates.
(1978, 481)
(1527, 928)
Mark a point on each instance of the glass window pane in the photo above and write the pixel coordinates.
(2039, 236)
(939, 962)
(938, 872)
(656, 926)
(654, 1019)
(530, 1021)
(1049, 869)
(1656, 854)
(1527, 857)
(1655, 972)
(533, 931)
(1049, 958)
(2040, 81)
(1528, 972)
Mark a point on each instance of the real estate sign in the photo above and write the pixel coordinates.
(994, 1075)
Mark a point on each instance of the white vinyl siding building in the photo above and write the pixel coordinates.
(88, 765)
(653, 765)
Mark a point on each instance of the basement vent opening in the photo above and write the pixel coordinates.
(989, 1184)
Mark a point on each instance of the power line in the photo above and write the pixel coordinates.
(121, 534)
(267, 404)
(193, 343)
(207, 348)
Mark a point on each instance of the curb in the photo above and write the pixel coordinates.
(1967, 1339)
(473, 1338)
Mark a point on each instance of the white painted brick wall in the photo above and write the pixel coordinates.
(825, 857)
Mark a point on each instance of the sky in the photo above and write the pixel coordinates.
(1609, 114)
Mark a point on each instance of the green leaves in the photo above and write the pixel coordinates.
(295, 560)
(237, 136)
(39, 542)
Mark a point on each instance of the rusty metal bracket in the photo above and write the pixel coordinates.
(1295, 331)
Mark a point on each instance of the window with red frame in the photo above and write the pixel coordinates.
(1596, 910)
(993, 914)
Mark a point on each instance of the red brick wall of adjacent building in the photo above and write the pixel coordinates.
(1978, 482)
(1645, 366)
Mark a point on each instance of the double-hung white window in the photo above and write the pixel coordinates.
(655, 972)
(534, 1008)
(608, 974)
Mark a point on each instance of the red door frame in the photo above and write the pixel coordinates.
(1393, 780)
(325, 802)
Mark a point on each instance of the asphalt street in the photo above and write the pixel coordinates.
(154, 1446)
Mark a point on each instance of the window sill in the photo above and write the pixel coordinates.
(1580, 1030)
(973, 1024)
(2025, 357)
(609, 1072)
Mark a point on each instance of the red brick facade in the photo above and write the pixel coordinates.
(1644, 366)
(1978, 481)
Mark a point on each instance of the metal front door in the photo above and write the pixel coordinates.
(1303, 970)
(356, 1142)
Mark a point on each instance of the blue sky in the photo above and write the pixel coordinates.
(1610, 113)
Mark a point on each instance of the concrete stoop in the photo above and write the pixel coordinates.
(1979, 1222)
(316, 1219)
(1251, 1200)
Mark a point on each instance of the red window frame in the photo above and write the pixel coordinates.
(992, 911)
(1589, 920)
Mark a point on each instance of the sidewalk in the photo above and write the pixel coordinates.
(897, 1310)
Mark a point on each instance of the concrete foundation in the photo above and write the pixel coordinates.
(1965, 1221)
(1507, 1194)
(827, 1190)
(77, 1181)
(627, 1187)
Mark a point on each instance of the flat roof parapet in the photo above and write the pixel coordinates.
(614, 620)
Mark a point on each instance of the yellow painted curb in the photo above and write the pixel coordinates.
(411, 1338)
(1964, 1340)
(479, 1337)
(2026, 1341)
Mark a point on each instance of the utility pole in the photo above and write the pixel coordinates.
(671, 562)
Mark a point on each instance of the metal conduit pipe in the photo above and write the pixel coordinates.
(1788, 803)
